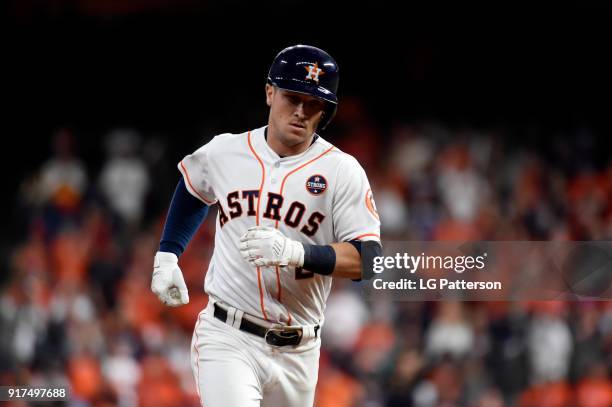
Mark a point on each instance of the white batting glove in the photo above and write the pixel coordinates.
(266, 246)
(168, 283)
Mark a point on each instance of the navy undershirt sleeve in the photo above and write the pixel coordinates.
(185, 216)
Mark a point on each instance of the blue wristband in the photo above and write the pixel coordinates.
(319, 259)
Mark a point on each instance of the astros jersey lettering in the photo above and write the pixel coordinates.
(319, 197)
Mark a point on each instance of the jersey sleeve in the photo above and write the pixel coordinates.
(354, 212)
(197, 174)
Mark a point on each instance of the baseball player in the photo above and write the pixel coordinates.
(294, 212)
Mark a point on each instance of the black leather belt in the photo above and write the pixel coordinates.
(282, 336)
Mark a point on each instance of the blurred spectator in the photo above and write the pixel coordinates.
(122, 371)
(63, 177)
(460, 186)
(23, 322)
(124, 180)
(449, 333)
(390, 204)
(549, 344)
(342, 328)
(62, 184)
(408, 367)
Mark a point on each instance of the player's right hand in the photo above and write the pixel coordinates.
(267, 246)
(168, 283)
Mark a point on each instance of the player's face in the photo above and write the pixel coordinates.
(293, 116)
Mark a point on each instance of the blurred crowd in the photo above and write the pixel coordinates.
(75, 305)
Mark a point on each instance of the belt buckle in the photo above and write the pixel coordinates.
(283, 336)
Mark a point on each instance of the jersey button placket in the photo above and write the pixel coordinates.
(273, 178)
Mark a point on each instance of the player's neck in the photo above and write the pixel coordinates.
(284, 151)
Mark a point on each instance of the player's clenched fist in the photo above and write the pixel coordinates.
(168, 283)
(266, 246)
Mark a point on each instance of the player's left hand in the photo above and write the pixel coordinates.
(266, 246)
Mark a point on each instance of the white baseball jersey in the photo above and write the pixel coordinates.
(320, 196)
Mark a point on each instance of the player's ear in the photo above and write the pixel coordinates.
(269, 94)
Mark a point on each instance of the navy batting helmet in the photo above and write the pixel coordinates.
(309, 70)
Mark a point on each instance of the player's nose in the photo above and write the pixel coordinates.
(299, 110)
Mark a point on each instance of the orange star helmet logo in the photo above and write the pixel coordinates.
(313, 72)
